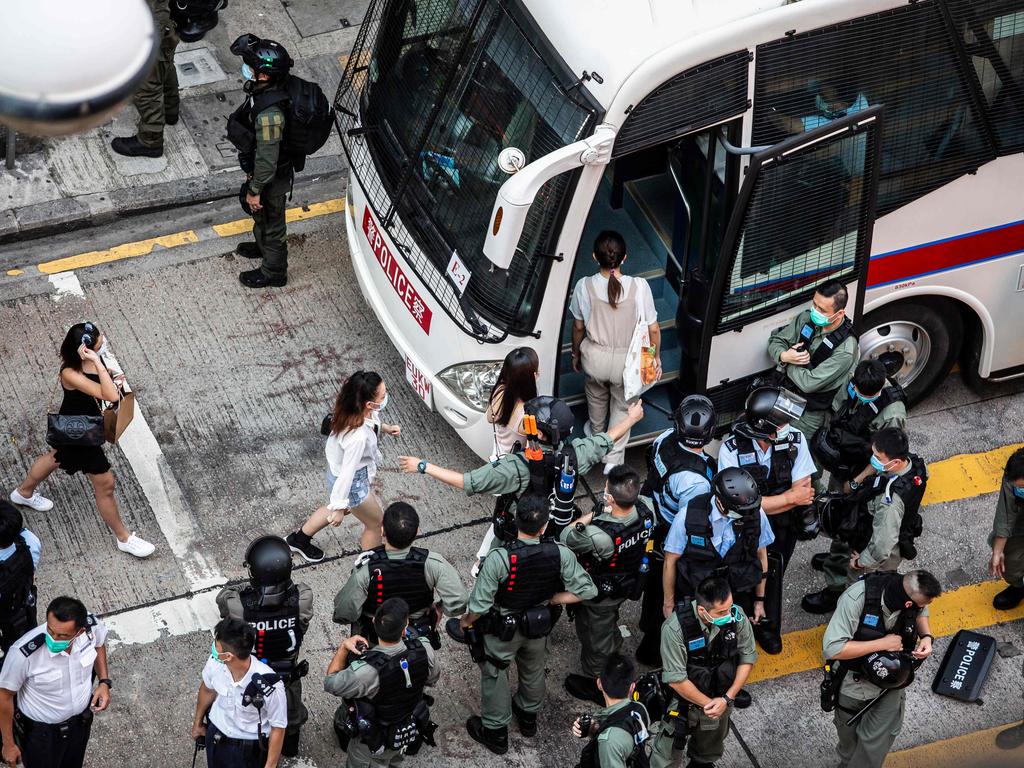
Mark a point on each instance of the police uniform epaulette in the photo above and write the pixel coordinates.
(91, 620)
(362, 559)
(33, 645)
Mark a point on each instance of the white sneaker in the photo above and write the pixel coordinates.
(37, 502)
(136, 546)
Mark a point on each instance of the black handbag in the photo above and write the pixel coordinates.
(75, 429)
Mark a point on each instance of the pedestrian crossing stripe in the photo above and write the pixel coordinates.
(968, 607)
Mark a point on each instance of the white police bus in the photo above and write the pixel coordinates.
(747, 150)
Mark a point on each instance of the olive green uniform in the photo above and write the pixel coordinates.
(614, 745)
(530, 655)
(597, 621)
(882, 552)
(157, 98)
(706, 742)
(1009, 524)
(439, 574)
(230, 604)
(866, 744)
(828, 375)
(359, 680)
(271, 180)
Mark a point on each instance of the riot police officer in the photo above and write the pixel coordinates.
(19, 557)
(879, 521)
(678, 468)
(398, 569)
(513, 607)
(816, 350)
(612, 544)
(880, 621)
(618, 733)
(385, 714)
(707, 645)
(1007, 537)
(765, 443)
(257, 130)
(538, 470)
(279, 611)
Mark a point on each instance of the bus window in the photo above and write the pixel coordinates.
(992, 34)
(902, 59)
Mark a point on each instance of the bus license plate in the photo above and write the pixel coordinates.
(419, 382)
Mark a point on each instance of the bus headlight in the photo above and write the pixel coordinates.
(472, 382)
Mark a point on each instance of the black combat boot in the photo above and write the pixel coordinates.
(249, 250)
(821, 602)
(495, 739)
(1008, 598)
(527, 721)
(583, 687)
(255, 278)
(130, 146)
(818, 561)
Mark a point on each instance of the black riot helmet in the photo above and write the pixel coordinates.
(737, 490)
(888, 670)
(554, 417)
(266, 57)
(696, 421)
(269, 560)
(766, 410)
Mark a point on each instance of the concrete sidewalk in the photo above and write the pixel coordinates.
(78, 181)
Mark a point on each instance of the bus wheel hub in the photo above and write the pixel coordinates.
(903, 347)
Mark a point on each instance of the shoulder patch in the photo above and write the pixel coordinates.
(90, 620)
(33, 645)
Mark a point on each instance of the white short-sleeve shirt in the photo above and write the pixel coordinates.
(52, 687)
(803, 465)
(579, 305)
(227, 713)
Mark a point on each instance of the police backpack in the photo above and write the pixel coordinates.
(308, 121)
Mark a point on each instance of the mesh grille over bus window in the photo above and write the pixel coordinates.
(992, 35)
(692, 100)
(901, 58)
(438, 88)
(806, 215)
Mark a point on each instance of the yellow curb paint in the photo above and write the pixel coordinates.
(968, 607)
(978, 748)
(118, 252)
(967, 475)
(231, 228)
(15, 272)
(240, 226)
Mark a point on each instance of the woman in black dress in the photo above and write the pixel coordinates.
(85, 381)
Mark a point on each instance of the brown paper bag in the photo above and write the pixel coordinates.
(117, 418)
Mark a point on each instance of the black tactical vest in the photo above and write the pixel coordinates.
(675, 458)
(535, 575)
(622, 569)
(278, 629)
(910, 487)
(633, 719)
(17, 601)
(822, 401)
(779, 477)
(393, 577)
(241, 125)
(700, 559)
(544, 476)
(398, 694)
(710, 665)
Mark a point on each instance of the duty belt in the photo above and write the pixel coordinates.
(27, 724)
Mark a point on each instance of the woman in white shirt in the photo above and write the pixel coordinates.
(605, 308)
(352, 458)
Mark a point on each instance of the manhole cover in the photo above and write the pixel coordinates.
(197, 67)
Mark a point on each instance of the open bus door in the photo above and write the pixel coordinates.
(804, 213)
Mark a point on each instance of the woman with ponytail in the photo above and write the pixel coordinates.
(605, 308)
(352, 458)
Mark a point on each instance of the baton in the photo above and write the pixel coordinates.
(657, 407)
(589, 490)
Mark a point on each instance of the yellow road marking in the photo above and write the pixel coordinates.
(240, 226)
(967, 474)
(15, 272)
(968, 607)
(125, 251)
(976, 748)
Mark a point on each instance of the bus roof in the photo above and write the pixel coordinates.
(612, 37)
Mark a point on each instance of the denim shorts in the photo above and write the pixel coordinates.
(359, 489)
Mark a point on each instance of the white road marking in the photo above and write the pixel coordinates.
(66, 284)
(170, 619)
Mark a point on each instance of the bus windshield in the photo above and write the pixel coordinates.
(450, 84)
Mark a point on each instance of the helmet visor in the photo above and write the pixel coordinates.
(788, 408)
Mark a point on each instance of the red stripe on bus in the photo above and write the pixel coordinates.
(946, 254)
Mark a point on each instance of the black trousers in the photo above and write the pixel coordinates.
(53, 746)
(784, 544)
(223, 752)
(651, 616)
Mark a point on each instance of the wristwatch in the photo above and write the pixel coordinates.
(107, 682)
(727, 698)
(422, 467)
(854, 485)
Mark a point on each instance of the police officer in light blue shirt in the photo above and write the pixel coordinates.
(678, 469)
(19, 558)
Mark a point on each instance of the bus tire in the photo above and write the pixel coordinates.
(918, 340)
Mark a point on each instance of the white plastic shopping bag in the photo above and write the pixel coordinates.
(641, 371)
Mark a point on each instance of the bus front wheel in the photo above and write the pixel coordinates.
(918, 341)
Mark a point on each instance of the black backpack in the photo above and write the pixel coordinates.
(309, 119)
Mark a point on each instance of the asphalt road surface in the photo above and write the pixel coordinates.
(231, 387)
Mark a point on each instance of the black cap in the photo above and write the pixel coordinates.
(696, 421)
(554, 417)
(767, 409)
(737, 490)
(267, 57)
(889, 670)
(269, 560)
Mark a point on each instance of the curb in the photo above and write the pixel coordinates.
(68, 214)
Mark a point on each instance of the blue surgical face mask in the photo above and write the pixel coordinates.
(382, 404)
(214, 655)
(878, 465)
(1018, 492)
(721, 621)
(819, 319)
(247, 72)
(57, 646)
(854, 393)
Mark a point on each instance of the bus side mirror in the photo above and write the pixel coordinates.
(516, 195)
